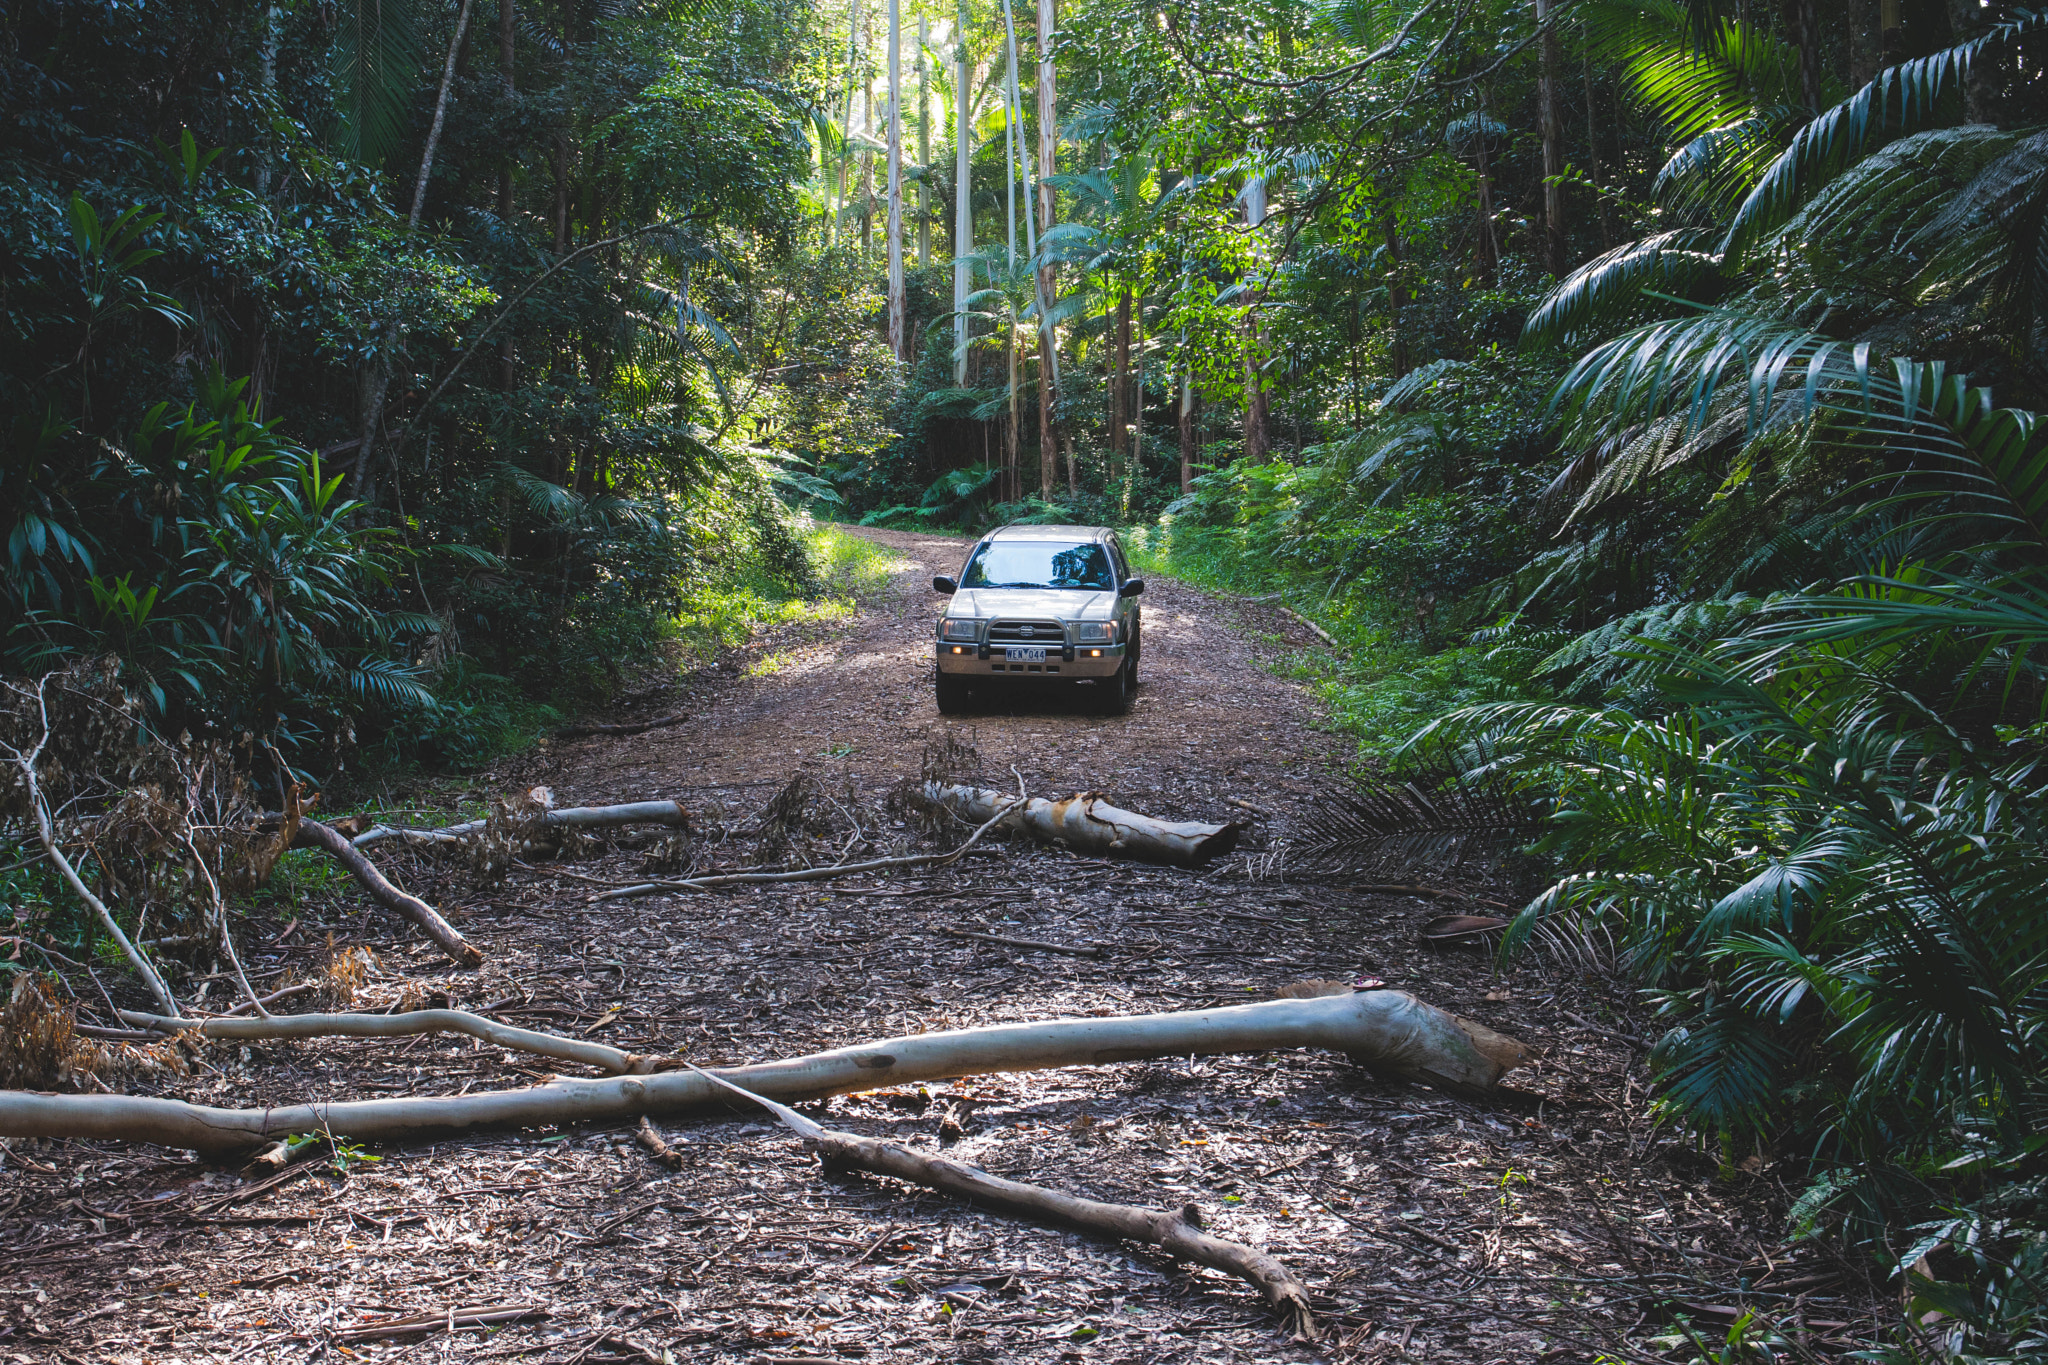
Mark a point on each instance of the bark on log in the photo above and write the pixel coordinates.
(1179, 1234)
(407, 1025)
(1390, 1031)
(313, 834)
(575, 817)
(1088, 824)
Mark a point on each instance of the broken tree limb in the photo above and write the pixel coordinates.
(810, 874)
(1088, 824)
(1179, 1235)
(1390, 1031)
(406, 1025)
(46, 833)
(313, 834)
(574, 817)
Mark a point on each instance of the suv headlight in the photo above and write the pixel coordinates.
(957, 628)
(1095, 632)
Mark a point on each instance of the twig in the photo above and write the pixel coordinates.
(1178, 1234)
(1095, 950)
(1604, 1031)
(658, 1146)
(635, 728)
(808, 874)
(1430, 892)
(444, 1320)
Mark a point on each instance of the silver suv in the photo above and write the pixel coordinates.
(1050, 605)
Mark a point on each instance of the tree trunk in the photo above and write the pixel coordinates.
(1806, 33)
(897, 329)
(1397, 294)
(1186, 426)
(1391, 1032)
(924, 147)
(1256, 406)
(963, 207)
(1487, 256)
(1119, 419)
(1048, 286)
(1136, 464)
(1548, 61)
(1593, 160)
(376, 386)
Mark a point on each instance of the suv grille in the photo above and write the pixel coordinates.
(1027, 633)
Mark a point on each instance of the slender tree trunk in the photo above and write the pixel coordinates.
(1256, 403)
(1548, 60)
(375, 389)
(963, 205)
(1397, 292)
(867, 169)
(897, 303)
(1136, 464)
(273, 35)
(1119, 384)
(1048, 290)
(1256, 442)
(1012, 467)
(1488, 252)
(1593, 160)
(1805, 26)
(924, 147)
(838, 184)
(1186, 431)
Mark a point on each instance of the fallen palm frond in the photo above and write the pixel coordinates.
(1428, 817)
(1390, 1031)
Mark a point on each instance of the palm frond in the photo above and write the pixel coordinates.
(377, 65)
(1611, 286)
(1901, 99)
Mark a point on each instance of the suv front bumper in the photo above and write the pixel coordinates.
(1089, 661)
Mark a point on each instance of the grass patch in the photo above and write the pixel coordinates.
(1379, 686)
(845, 568)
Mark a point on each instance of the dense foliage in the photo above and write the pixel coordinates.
(366, 381)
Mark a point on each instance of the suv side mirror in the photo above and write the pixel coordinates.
(1132, 587)
(941, 583)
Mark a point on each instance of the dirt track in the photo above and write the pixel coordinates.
(1430, 1228)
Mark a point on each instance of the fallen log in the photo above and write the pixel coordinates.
(1179, 1234)
(1088, 824)
(405, 1025)
(1389, 1031)
(574, 817)
(312, 834)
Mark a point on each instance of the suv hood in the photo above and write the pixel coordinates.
(1060, 604)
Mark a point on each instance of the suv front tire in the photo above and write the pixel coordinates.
(951, 692)
(1113, 694)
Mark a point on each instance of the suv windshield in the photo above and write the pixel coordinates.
(1038, 564)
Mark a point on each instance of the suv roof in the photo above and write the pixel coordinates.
(1049, 533)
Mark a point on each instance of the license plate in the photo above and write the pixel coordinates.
(1021, 655)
